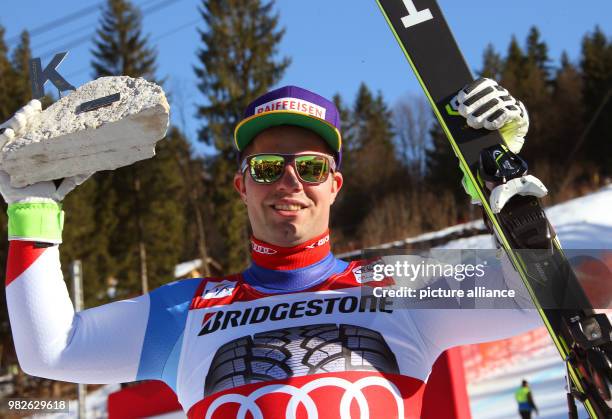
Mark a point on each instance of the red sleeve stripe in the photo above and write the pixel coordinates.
(21, 255)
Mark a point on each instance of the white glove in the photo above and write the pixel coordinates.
(14, 128)
(40, 191)
(17, 125)
(485, 104)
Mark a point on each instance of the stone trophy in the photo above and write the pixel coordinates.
(105, 124)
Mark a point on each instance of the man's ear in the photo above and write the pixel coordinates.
(239, 186)
(337, 182)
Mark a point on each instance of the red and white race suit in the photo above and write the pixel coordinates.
(297, 334)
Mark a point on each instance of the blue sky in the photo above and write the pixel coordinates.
(334, 44)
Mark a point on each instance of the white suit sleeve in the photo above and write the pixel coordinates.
(116, 342)
(100, 345)
(483, 320)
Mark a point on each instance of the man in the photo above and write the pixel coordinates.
(525, 401)
(296, 334)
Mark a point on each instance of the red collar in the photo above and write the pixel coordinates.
(284, 258)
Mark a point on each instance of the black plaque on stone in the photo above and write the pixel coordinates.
(98, 103)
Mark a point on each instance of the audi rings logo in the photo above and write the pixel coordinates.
(352, 391)
(262, 249)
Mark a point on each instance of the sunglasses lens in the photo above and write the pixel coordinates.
(266, 168)
(312, 169)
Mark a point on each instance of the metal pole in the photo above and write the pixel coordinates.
(77, 287)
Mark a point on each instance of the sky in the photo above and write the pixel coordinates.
(334, 44)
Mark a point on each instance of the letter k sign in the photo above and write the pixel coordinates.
(39, 76)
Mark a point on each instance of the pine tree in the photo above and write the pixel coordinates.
(194, 177)
(337, 215)
(376, 159)
(21, 63)
(525, 75)
(514, 69)
(162, 205)
(120, 46)
(15, 89)
(566, 121)
(7, 81)
(537, 52)
(536, 94)
(370, 165)
(492, 63)
(345, 124)
(596, 66)
(79, 229)
(443, 172)
(237, 64)
(140, 207)
(6, 109)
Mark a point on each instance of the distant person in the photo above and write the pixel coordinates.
(525, 401)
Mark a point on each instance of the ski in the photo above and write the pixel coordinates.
(582, 336)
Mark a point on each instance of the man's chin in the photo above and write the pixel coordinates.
(289, 233)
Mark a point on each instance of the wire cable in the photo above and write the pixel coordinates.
(155, 39)
(62, 21)
(81, 40)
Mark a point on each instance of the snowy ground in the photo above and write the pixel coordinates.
(494, 397)
(582, 223)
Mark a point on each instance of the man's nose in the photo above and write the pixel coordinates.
(289, 178)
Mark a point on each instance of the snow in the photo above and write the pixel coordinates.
(582, 223)
(184, 268)
(586, 222)
(445, 232)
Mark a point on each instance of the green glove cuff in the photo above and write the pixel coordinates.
(469, 187)
(36, 221)
(508, 131)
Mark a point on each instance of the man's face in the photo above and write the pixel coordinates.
(288, 212)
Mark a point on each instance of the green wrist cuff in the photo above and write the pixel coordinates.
(33, 221)
(468, 186)
(508, 131)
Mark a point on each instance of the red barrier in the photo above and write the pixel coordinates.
(446, 393)
(148, 398)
